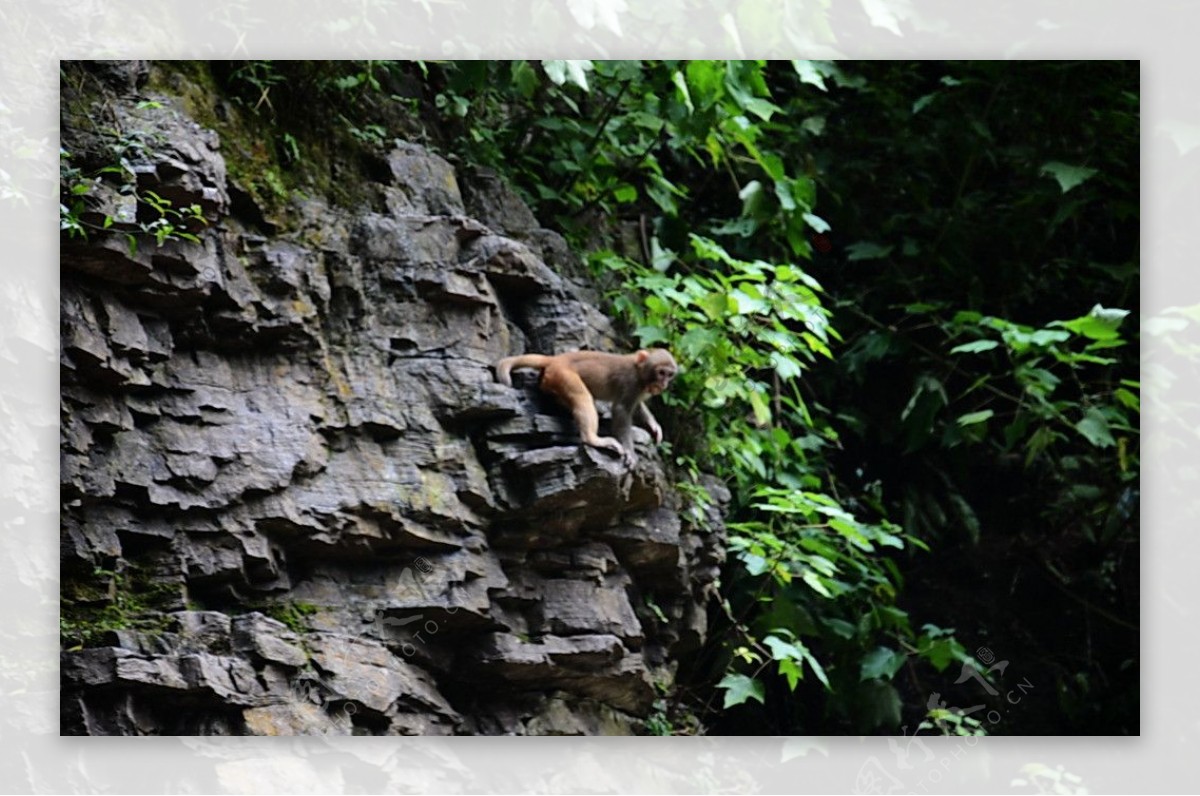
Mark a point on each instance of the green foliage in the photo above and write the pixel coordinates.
(111, 599)
(757, 326)
(816, 571)
(1039, 414)
(293, 614)
(952, 723)
(295, 128)
(658, 724)
(1068, 176)
(669, 715)
(149, 214)
(583, 137)
(1007, 429)
(102, 184)
(739, 688)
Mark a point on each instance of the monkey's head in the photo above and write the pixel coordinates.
(656, 367)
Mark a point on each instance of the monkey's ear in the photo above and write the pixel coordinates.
(641, 356)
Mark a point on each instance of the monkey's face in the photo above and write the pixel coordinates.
(657, 372)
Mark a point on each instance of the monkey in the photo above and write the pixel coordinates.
(579, 378)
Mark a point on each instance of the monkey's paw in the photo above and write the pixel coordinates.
(609, 444)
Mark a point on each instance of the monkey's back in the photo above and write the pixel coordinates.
(608, 377)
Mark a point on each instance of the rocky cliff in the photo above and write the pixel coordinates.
(294, 501)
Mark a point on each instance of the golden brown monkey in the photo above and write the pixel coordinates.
(580, 378)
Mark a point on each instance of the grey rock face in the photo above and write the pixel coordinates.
(296, 502)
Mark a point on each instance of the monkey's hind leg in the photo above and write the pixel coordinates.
(622, 430)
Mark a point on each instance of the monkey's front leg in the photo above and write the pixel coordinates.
(650, 423)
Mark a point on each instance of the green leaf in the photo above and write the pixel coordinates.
(752, 196)
(716, 306)
(817, 223)
(1092, 358)
(814, 125)
(1128, 399)
(651, 335)
(772, 164)
(939, 652)
(762, 412)
(706, 79)
(577, 73)
(967, 514)
(525, 78)
(881, 663)
(625, 193)
(560, 72)
(879, 704)
(763, 109)
(804, 190)
(698, 340)
(1038, 442)
(1091, 327)
(1046, 337)
(922, 102)
(783, 192)
(681, 86)
(755, 564)
(739, 688)
(810, 73)
(840, 628)
(865, 250)
(972, 418)
(889, 539)
(917, 417)
(852, 532)
(1037, 381)
(818, 670)
(1110, 316)
(785, 366)
(814, 583)
(1094, 426)
(933, 631)
(1068, 176)
(662, 192)
(1099, 324)
(660, 257)
(792, 673)
(743, 81)
(975, 347)
(783, 650)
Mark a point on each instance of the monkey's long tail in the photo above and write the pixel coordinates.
(505, 366)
